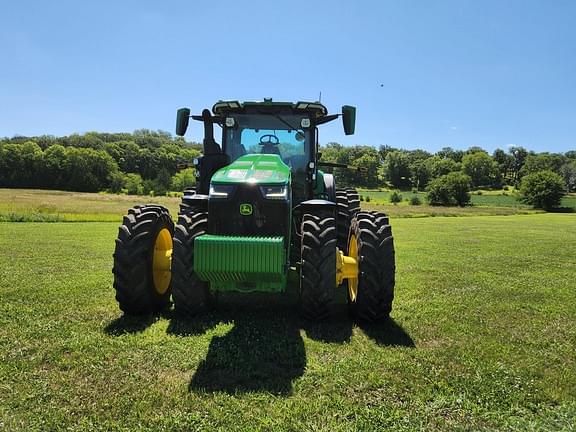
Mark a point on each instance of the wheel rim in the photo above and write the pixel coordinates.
(162, 261)
(353, 282)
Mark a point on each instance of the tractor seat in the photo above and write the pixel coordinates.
(270, 149)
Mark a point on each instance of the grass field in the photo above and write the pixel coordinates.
(486, 198)
(54, 206)
(28, 205)
(482, 337)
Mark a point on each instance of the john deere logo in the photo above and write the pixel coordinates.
(245, 209)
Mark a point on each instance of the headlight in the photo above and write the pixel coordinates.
(275, 192)
(220, 191)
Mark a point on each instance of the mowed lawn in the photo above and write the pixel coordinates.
(483, 336)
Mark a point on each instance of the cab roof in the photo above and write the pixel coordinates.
(315, 109)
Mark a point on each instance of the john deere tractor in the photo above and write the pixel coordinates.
(262, 209)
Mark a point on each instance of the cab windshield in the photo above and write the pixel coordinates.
(268, 134)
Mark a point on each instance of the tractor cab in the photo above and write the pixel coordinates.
(283, 129)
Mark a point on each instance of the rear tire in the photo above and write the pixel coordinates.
(348, 205)
(318, 266)
(136, 291)
(191, 295)
(376, 267)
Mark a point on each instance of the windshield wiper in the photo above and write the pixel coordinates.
(286, 123)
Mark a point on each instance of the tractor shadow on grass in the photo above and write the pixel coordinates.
(263, 352)
(387, 333)
(130, 324)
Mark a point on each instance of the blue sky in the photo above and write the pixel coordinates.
(423, 74)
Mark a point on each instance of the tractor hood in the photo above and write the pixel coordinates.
(254, 169)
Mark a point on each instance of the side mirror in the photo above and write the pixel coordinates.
(349, 119)
(182, 119)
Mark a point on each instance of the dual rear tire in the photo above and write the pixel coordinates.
(153, 260)
(142, 276)
(368, 238)
(376, 267)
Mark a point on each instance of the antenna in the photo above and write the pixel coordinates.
(320, 97)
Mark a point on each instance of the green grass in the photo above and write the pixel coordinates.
(27, 205)
(487, 198)
(488, 203)
(483, 337)
(33, 205)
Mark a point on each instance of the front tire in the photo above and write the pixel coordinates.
(142, 260)
(318, 266)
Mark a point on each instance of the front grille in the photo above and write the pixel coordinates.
(268, 218)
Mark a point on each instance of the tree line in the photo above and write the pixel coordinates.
(142, 162)
(146, 161)
(416, 169)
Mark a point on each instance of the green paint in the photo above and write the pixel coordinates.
(234, 263)
(319, 186)
(254, 169)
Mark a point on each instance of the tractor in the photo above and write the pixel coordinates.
(263, 213)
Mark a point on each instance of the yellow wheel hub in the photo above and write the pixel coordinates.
(347, 268)
(162, 261)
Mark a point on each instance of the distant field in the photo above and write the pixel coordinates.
(50, 205)
(482, 338)
(53, 206)
(485, 199)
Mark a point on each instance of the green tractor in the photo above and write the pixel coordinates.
(262, 211)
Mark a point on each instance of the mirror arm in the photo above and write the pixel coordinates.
(215, 119)
(327, 119)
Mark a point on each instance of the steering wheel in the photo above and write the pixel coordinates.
(271, 140)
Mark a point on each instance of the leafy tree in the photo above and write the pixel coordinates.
(419, 175)
(482, 170)
(542, 162)
(117, 182)
(519, 154)
(505, 162)
(450, 189)
(475, 149)
(397, 169)
(438, 166)
(162, 183)
(364, 157)
(54, 166)
(183, 179)
(148, 186)
(115, 150)
(133, 184)
(543, 189)
(450, 153)
(568, 173)
(368, 164)
(383, 150)
(21, 165)
(88, 170)
(129, 161)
